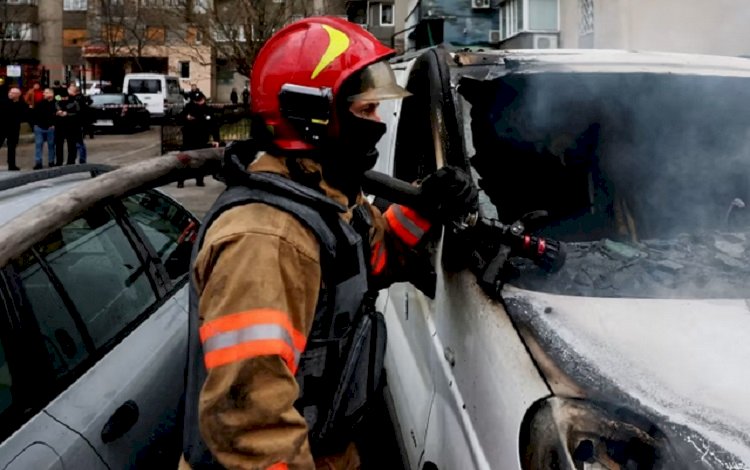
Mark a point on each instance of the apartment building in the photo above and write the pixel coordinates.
(718, 27)
(23, 25)
(378, 17)
(484, 23)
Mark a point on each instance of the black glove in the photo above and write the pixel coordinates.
(449, 195)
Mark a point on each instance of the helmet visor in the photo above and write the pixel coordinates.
(377, 82)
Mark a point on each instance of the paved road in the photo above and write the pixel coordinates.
(127, 149)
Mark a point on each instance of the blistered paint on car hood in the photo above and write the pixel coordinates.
(683, 361)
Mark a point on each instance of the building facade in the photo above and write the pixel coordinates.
(378, 17)
(665, 25)
(484, 23)
(720, 27)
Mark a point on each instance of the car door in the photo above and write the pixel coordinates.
(173, 96)
(127, 400)
(30, 438)
(459, 345)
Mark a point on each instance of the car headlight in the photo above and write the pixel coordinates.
(572, 434)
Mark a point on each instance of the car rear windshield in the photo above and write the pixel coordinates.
(144, 85)
(645, 176)
(101, 100)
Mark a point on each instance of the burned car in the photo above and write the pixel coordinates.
(634, 353)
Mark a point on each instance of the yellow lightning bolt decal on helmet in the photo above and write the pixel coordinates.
(337, 45)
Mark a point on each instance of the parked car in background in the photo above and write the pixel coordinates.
(635, 353)
(96, 87)
(119, 112)
(160, 93)
(93, 322)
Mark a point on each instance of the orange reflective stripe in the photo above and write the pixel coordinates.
(278, 466)
(251, 349)
(418, 220)
(377, 259)
(406, 224)
(259, 316)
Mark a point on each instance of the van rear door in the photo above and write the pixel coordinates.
(150, 91)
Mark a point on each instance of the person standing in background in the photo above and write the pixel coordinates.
(13, 111)
(69, 122)
(34, 95)
(43, 119)
(233, 96)
(245, 96)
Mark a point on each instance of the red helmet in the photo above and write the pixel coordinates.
(315, 56)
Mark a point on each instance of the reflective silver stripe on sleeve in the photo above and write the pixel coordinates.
(250, 333)
(406, 222)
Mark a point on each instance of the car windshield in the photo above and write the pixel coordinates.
(101, 100)
(144, 85)
(645, 176)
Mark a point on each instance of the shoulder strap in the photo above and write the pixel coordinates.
(314, 210)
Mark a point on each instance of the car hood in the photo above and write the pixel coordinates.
(683, 363)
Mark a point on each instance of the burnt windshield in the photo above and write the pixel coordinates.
(645, 176)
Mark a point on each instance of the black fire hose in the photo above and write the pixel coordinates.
(546, 253)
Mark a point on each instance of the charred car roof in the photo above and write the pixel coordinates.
(599, 61)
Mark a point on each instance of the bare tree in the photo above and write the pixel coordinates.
(237, 29)
(15, 31)
(129, 27)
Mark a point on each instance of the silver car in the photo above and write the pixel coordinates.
(93, 321)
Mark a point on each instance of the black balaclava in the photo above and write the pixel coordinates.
(347, 156)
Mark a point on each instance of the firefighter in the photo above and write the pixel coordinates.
(285, 346)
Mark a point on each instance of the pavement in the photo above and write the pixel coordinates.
(127, 149)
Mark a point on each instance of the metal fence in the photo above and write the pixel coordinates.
(234, 125)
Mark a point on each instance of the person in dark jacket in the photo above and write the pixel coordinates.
(246, 97)
(43, 118)
(233, 96)
(68, 126)
(13, 112)
(199, 126)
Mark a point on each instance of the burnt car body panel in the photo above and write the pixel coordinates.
(640, 160)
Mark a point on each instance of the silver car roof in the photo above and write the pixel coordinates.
(16, 201)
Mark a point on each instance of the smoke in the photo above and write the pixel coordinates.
(627, 157)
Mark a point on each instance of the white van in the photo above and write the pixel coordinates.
(160, 93)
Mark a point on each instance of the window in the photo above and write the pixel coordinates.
(161, 3)
(132, 99)
(103, 100)
(194, 35)
(6, 383)
(99, 270)
(73, 37)
(386, 15)
(586, 25)
(373, 12)
(62, 338)
(112, 33)
(543, 15)
(173, 86)
(226, 33)
(169, 228)
(155, 34)
(184, 69)
(19, 31)
(144, 85)
(75, 5)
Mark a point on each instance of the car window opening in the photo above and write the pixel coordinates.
(646, 176)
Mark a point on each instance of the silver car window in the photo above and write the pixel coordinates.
(6, 382)
(62, 339)
(169, 228)
(101, 273)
